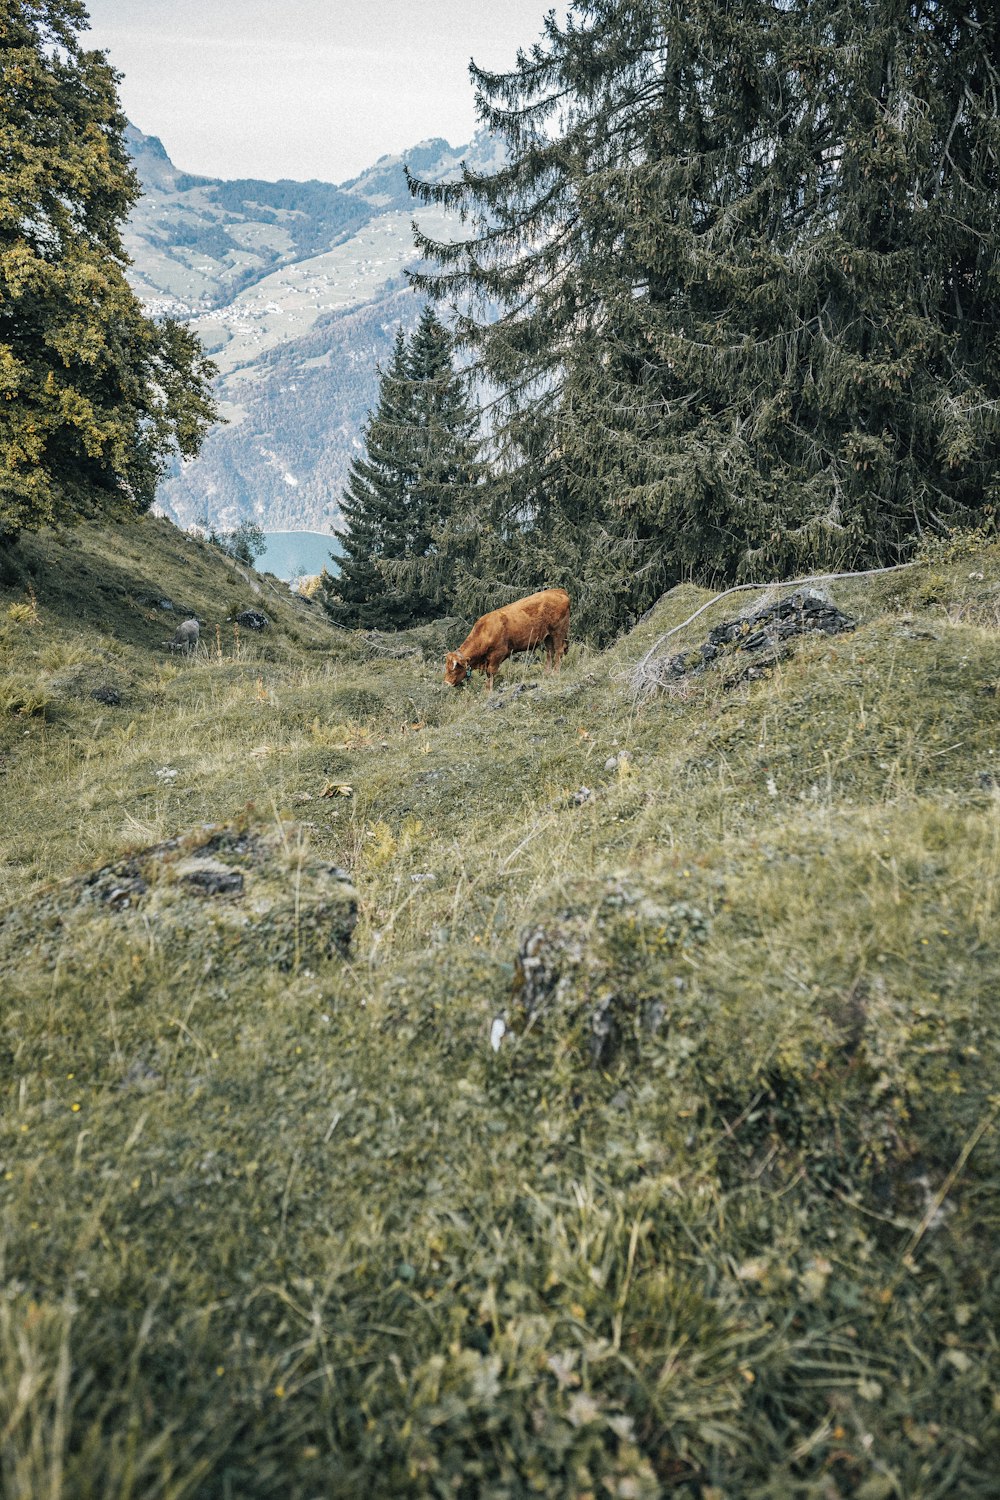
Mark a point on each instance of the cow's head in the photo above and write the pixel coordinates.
(456, 669)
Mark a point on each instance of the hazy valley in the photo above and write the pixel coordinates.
(296, 290)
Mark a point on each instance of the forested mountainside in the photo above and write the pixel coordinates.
(296, 290)
(294, 421)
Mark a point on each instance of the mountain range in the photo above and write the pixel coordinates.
(296, 289)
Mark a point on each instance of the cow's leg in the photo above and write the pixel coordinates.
(550, 653)
(559, 641)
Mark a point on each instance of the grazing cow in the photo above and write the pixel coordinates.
(539, 619)
(186, 637)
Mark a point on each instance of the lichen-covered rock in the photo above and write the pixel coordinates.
(239, 895)
(604, 965)
(252, 619)
(801, 613)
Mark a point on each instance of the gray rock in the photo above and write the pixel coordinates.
(764, 631)
(920, 633)
(118, 886)
(253, 619)
(589, 967)
(211, 877)
(229, 897)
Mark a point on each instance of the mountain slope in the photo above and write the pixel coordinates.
(195, 241)
(644, 1142)
(295, 417)
(282, 281)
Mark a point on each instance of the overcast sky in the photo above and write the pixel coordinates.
(304, 88)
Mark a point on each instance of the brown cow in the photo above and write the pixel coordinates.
(539, 619)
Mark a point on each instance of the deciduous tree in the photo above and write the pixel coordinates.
(94, 395)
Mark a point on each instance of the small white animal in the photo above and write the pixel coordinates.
(186, 637)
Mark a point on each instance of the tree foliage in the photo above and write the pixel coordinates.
(409, 491)
(746, 257)
(94, 395)
(246, 542)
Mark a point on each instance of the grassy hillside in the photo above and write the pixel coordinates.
(717, 1216)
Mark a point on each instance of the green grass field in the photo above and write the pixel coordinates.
(279, 1222)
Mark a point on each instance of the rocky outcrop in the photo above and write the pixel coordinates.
(252, 619)
(602, 966)
(765, 632)
(236, 896)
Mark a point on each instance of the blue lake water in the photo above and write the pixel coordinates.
(289, 554)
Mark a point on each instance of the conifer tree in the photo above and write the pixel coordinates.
(375, 502)
(93, 394)
(444, 439)
(407, 491)
(746, 256)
